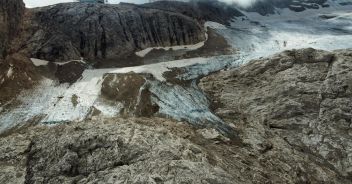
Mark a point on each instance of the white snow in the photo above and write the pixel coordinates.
(209, 24)
(261, 36)
(158, 69)
(63, 63)
(53, 102)
(214, 25)
(144, 52)
(108, 110)
(39, 62)
(9, 72)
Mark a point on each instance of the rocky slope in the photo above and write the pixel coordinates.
(294, 111)
(97, 31)
(292, 114)
(107, 151)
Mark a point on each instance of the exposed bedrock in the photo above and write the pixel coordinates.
(16, 70)
(132, 90)
(294, 110)
(112, 151)
(96, 31)
(11, 15)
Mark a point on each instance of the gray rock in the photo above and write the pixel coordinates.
(294, 111)
(105, 151)
(97, 31)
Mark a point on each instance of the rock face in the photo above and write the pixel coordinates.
(16, 71)
(293, 111)
(11, 14)
(97, 31)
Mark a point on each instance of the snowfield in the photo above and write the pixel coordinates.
(253, 35)
(261, 36)
(52, 103)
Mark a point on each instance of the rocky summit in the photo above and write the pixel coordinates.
(176, 92)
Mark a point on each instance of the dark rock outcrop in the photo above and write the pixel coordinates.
(16, 73)
(11, 15)
(16, 70)
(97, 31)
(70, 72)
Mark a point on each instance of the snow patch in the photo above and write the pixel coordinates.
(158, 69)
(63, 63)
(9, 72)
(213, 25)
(108, 110)
(144, 52)
(53, 103)
(39, 62)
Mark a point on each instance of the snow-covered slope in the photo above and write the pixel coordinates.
(52, 103)
(269, 7)
(256, 35)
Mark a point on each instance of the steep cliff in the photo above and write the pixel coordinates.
(16, 71)
(11, 15)
(98, 31)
